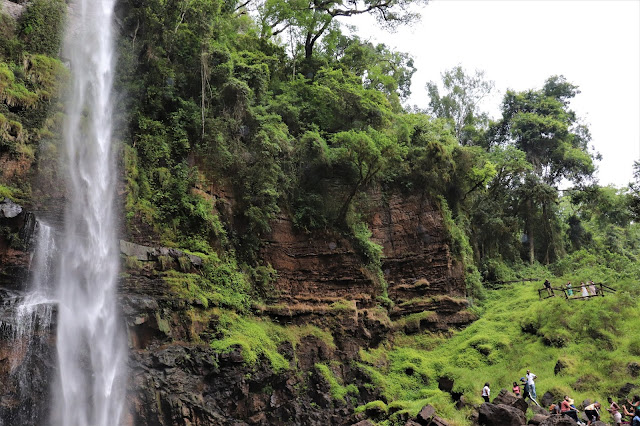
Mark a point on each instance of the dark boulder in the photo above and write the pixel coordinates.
(560, 365)
(508, 398)
(558, 420)
(538, 409)
(537, 419)
(445, 384)
(426, 414)
(500, 415)
(625, 390)
(550, 398)
(363, 423)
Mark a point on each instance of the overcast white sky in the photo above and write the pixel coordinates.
(519, 44)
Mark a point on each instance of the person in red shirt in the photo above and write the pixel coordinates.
(516, 389)
(566, 408)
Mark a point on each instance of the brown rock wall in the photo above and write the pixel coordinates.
(321, 267)
(417, 260)
(316, 268)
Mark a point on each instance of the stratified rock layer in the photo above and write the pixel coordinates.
(176, 378)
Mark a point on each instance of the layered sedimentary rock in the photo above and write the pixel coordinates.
(176, 378)
(320, 268)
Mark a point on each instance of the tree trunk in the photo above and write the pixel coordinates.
(532, 253)
(308, 46)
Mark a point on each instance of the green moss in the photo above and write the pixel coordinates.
(338, 390)
(218, 283)
(132, 263)
(255, 337)
(41, 26)
(7, 192)
(461, 248)
(378, 406)
(163, 324)
(413, 321)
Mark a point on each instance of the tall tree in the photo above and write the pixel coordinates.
(460, 103)
(634, 200)
(312, 18)
(540, 123)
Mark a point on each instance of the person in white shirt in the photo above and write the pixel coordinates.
(532, 386)
(486, 392)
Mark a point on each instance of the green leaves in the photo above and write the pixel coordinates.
(461, 103)
(41, 25)
(540, 124)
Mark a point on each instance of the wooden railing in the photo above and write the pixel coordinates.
(495, 285)
(601, 289)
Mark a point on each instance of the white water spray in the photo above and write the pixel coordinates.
(91, 343)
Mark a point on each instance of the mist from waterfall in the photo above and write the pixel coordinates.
(91, 343)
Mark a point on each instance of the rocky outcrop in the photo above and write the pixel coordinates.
(318, 269)
(500, 415)
(27, 348)
(558, 420)
(17, 226)
(507, 398)
(11, 8)
(176, 378)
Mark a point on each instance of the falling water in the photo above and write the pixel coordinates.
(91, 344)
(32, 319)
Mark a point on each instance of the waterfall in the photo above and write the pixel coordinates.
(91, 342)
(32, 315)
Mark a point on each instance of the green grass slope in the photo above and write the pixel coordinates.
(596, 341)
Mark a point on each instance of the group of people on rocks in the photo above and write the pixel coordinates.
(587, 289)
(592, 411)
(567, 405)
(528, 384)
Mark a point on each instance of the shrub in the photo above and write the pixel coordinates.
(41, 26)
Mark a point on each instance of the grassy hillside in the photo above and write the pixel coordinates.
(596, 340)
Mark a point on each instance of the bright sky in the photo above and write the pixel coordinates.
(519, 44)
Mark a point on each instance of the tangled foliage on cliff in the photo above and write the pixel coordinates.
(32, 80)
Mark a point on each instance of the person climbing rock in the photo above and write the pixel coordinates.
(636, 419)
(592, 412)
(567, 409)
(486, 391)
(532, 386)
(614, 410)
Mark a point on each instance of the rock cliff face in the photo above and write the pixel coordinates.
(316, 270)
(176, 378)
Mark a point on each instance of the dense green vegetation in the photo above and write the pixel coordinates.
(31, 82)
(275, 103)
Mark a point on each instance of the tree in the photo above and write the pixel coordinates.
(634, 199)
(539, 123)
(380, 68)
(367, 154)
(461, 102)
(312, 18)
(495, 223)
